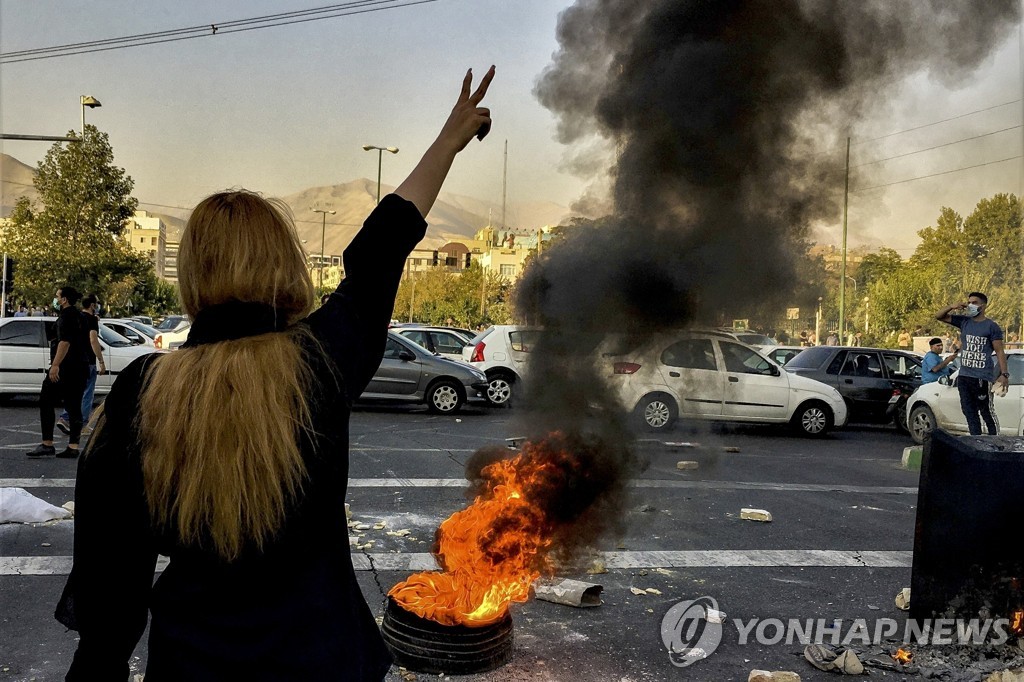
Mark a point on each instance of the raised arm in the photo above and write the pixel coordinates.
(467, 119)
(945, 315)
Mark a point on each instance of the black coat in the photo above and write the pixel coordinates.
(292, 611)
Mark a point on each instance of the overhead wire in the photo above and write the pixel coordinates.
(938, 146)
(188, 33)
(934, 123)
(932, 175)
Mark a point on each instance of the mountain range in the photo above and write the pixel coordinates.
(452, 217)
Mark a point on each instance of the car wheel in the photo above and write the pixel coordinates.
(922, 422)
(813, 419)
(657, 412)
(444, 397)
(499, 390)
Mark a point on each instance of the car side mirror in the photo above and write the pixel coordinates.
(775, 370)
(405, 356)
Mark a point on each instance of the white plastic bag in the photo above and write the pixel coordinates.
(17, 505)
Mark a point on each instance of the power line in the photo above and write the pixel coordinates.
(932, 175)
(188, 33)
(938, 146)
(934, 123)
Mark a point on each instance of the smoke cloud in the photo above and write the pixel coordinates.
(718, 114)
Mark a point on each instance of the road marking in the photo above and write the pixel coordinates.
(423, 561)
(638, 483)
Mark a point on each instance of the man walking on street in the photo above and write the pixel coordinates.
(65, 380)
(90, 327)
(933, 367)
(979, 338)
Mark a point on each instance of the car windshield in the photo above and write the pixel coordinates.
(810, 358)
(113, 339)
(756, 339)
(151, 332)
(1015, 363)
(169, 323)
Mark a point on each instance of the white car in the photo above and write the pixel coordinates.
(937, 405)
(706, 376)
(780, 355)
(440, 340)
(501, 352)
(25, 354)
(134, 331)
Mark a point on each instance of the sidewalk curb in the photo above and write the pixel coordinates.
(912, 458)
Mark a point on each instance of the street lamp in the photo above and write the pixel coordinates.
(380, 156)
(323, 234)
(92, 103)
(867, 305)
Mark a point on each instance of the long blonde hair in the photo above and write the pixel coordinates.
(221, 422)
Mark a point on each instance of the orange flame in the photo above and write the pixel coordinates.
(491, 552)
(903, 656)
(1017, 621)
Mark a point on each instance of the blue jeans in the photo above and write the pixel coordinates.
(974, 400)
(90, 391)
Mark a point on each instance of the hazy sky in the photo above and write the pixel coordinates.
(282, 109)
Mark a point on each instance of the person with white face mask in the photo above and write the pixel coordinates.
(980, 337)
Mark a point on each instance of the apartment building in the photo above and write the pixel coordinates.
(147, 234)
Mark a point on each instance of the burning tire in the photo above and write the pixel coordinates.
(813, 419)
(499, 389)
(425, 646)
(922, 422)
(657, 412)
(444, 397)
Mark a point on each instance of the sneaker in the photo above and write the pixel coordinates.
(68, 453)
(64, 427)
(42, 451)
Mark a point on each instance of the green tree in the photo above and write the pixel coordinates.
(436, 295)
(74, 234)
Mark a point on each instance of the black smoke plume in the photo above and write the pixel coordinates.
(718, 112)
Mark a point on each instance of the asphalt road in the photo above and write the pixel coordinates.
(839, 546)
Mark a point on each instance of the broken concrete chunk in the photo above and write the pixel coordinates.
(820, 656)
(773, 676)
(731, 448)
(755, 515)
(70, 506)
(568, 592)
(716, 616)
(1007, 676)
(903, 599)
(651, 590)
(687, 464)
(362, 526)
(348, 512)
(676, 444)
(380, 526)
(399, 533)
(848, 663)
(637, 591)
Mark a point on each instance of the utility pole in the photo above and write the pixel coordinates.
(504, 186)
(842, 282)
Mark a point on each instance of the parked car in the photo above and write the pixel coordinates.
(501, 352)
(707, 376)
(25, 354)
(411, 373)
(440, 340)
(172, 340)
(781, 355)
(937, 405)
(144, 319)
(173, 323)
(874, 382)
(749, 337)
(136, 332)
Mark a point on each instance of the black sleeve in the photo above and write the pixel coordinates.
(106, 598)
(352, 325)
(69, 325)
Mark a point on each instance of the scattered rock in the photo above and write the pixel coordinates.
(399, 533)
(380, 526)
(687, 464)
(820, 656)
(651, 590)
(848, 663)
(70, 506)
(348, 512)
(756, 515)
(646, 508)
(774, 676)
(637, 591)
(1007, 676)
(44, 544)
(903, 599)
(682, 445)
(730, 448)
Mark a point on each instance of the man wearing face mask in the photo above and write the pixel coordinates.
(979, 338)
(66, 378)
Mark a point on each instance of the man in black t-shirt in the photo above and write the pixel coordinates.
(94, 355)
(66, 379)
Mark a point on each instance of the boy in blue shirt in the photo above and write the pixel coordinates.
(979, 338)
